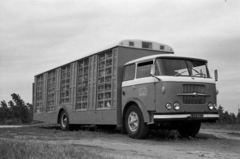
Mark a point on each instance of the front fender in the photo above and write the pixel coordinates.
(145, 113)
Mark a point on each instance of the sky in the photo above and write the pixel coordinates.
(38, 35)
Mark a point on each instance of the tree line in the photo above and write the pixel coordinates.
(227, 118)
(16, 111)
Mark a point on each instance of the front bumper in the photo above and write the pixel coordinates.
(204, 117)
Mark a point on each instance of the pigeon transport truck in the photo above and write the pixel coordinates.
(137, 85)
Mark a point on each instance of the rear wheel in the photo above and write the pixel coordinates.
(190, 129)
(134, 123)
(64, 121)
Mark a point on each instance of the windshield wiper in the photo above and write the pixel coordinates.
(195, 71)
(180, 73)
(199, 73)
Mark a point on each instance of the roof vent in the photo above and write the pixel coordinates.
(161, 47)
(131, 43)
(146, 45)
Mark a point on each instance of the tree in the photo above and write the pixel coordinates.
(16, 110)
(221, 116)
(225, 117)
(20, 109)
(232, 118)
(6, 113)
(238, 118)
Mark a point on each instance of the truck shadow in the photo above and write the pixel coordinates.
(174, 135)
(153, 134)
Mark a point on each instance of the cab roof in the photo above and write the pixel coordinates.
(151, 57)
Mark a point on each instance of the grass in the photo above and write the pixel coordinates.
(29, 150)
(33, 142)
(235, 127)
(48, 141)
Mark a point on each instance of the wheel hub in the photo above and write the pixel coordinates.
(64, 120)
(133, 121)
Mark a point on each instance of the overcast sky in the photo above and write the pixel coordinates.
(37, 35)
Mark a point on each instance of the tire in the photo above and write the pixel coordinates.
(134, 123)
(64, 122)
(190, 129)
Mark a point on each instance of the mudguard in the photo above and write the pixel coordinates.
(64, 107)
(145, 113)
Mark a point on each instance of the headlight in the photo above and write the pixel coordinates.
(168, 106)
(176, 106)
(210, 106)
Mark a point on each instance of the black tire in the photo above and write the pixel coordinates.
(190, 129)
(64, 122)
(136, 129)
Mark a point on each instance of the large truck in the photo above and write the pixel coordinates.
(137, 85)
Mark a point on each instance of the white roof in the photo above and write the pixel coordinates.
(145, 58)
(144, 44)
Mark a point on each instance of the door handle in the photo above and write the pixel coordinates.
(123, 92)
(134, 87)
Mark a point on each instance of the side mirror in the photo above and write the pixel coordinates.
(152, 71)
(216, 75)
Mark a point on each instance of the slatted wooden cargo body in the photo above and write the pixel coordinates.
(89, 89)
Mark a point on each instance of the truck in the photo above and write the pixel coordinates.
(136, 85)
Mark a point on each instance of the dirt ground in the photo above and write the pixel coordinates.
(209, 143)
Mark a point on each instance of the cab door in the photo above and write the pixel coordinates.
(141, 87)
(145, 85)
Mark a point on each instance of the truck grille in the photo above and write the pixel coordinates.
(193, 88)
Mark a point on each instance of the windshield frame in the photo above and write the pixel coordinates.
(189, 70)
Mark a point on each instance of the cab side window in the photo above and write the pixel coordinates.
(143, 69)
(129, 72)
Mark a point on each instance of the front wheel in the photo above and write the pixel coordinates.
(134, 123)
(190, 129)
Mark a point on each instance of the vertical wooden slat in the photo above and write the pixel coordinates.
(92, 83)
(74, 85)
(94, 104)
(34, 94)
(114, 85)
(58, 85)
(71, 83)
(44, 92)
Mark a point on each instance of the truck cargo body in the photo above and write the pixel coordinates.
(88, 89)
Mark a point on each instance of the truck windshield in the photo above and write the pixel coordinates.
(182, 67)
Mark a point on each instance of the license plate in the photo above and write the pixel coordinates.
(197, 115)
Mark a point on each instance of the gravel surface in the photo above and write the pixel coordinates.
(209, 143)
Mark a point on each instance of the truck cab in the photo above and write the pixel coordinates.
(168, 91)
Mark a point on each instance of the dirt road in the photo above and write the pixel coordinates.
(209, 143)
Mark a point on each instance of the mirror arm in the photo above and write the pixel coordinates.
(156, 77)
